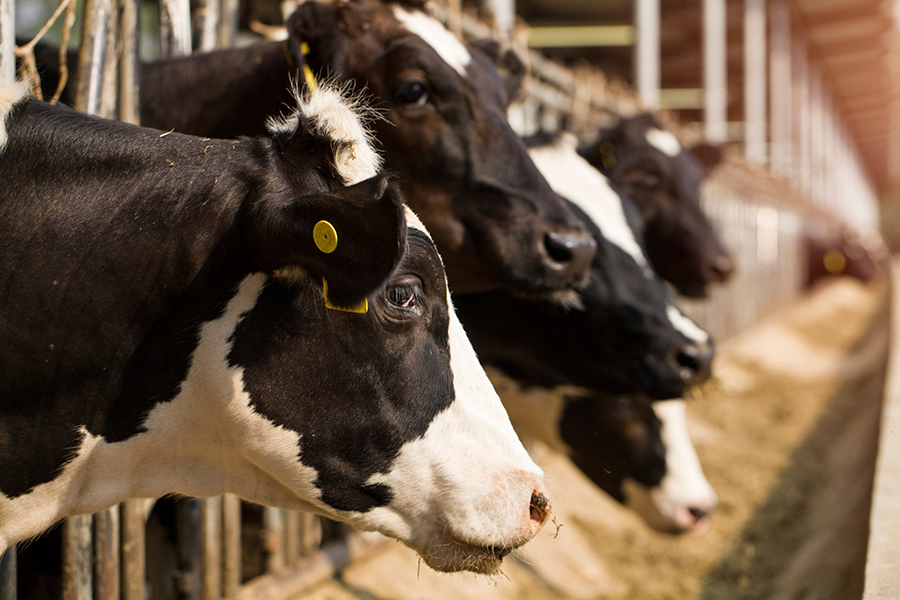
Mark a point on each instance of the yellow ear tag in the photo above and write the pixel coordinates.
(307, 72)
(361, 308)
(325, 237)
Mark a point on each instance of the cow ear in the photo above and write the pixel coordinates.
(709, 155)
(509, 65)
(314, 37)
(352, 239)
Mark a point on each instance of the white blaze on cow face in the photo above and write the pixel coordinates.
(10, 95)
(435, 35)
(687, 327)
(334, 114)
(577, 181)
(664, 141)
(684, 498)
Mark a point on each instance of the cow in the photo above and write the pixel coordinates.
(637, 451)
(663, 179)
(833, 249)
(622, 332)
(258, 316)
(443, 128)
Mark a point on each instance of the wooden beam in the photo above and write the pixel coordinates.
(581, 36)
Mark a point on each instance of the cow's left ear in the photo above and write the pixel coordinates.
(709, 155)
(352, 239)
(314, 37)
(509, 65)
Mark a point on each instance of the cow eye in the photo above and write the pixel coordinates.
(411, 93)
(405, 296)
(643, 180)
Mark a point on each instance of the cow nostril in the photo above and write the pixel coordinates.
(698, 513)
(688, 359)
(559, 247)
(693, 363)
(540, 507)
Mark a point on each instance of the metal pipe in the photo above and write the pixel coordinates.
(129, 86)
(174, 28)
(106, 554)
(7, 41)
(755, 81)
(77, 573)
(207, 24)
(715, 70)
(8, 583)
(134, 550)
(92, 55)
(647, 52)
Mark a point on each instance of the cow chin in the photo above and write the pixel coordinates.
(449, 554)
(662, 513)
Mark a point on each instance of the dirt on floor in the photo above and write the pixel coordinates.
(787, 434)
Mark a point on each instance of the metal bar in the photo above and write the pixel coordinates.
(7, 42)
(301, 575)
(504, 12)
(207, 24)
(800, 107)
(310, 533)
(211, 510)
(134, 550)
(92, 55)
(715, 70)
(228, 22)
(129, 86)
(109, 90)
(231, 543)
(581, 36)
(273, 525)
(77, 574)
(647, 52)
(291, 536)
(8, 582)
(106, 554)
(755, 81)
(174, 28)
(780, 87)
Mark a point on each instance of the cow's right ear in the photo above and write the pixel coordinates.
(314, 37)
(352, 239)
(511, 68)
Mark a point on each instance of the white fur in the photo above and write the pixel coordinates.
(686, 326)
(468, 480)
(665, 506)
(10, 95)
(664, 141)
(435, 35)
(577, 181)
(332, 113)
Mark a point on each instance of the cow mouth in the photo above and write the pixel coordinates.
(451, 555)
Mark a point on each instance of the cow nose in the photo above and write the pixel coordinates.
(569, 255)
(722, 267)
(693, 362)
(698, 512)
(539, 511)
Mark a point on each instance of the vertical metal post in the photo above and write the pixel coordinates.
(129, 86)
(134, 550)
(228, 22)
(815, 134)
(780, 87)
(715, 70)
(273, 525)
(92, 56)
(647, 52)
(504, 12)
(7, 41)
(755, 81)
(800, 97)
(8, 583)
(207, 24)
(174, 28)
(211, 510)
(106, 554)
(109, 90)
(231, 542)
(310, 533)
(76, 558)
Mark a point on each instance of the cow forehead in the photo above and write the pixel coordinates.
(664, 141)
(447, 46)
(577, 181)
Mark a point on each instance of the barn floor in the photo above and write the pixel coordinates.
(787, 436)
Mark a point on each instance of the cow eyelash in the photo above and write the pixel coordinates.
(404, 296)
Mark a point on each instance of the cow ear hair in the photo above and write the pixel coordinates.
(509, 65)
(709, 155)
(314, 24)
(365, 237)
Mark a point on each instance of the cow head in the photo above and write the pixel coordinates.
(663, 180)
(444, 130)
(251, 377)
(620, 332)
(640, 454)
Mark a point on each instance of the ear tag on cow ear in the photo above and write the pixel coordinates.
(361, 308)
(307, 72)
(325, 236)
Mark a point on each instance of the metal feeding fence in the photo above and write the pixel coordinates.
(225, 548)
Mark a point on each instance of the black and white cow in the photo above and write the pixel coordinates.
(663, 180)
(166, 328)
(637, 451)
(444, 131)
(622, 332)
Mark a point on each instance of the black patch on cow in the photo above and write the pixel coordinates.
(352, 421)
